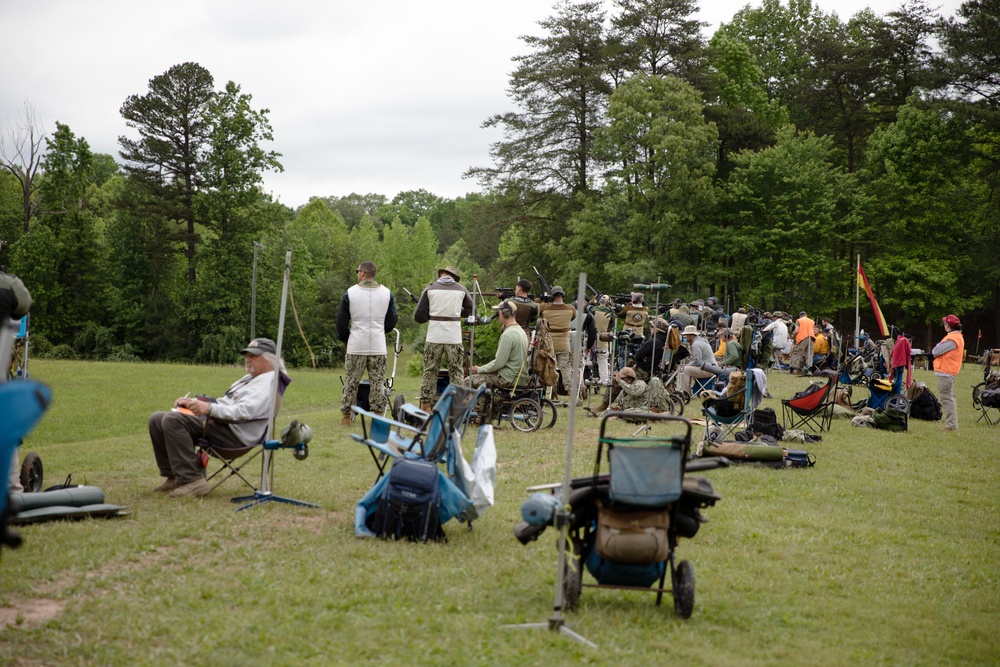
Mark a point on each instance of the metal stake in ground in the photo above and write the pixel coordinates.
(556, 622)
(264, 494)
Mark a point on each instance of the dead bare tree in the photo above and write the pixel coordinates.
(21, 154)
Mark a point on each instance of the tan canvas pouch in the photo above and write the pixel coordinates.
(632, 537)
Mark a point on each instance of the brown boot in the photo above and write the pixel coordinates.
(345, 420)
(426, 407)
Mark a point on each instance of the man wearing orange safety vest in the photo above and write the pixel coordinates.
(802, 353)
(948, 355)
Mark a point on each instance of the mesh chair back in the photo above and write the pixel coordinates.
(647, 476)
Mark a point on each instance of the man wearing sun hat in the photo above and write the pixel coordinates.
(442, 305)
(249, 401)
(701, 356)
(948, 355)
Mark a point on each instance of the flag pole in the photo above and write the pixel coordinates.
(857, 304)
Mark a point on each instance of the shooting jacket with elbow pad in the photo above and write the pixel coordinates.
(634, 318)
(526, 311)
(367, 313)
(604, 320)
(442, 306)
(559, 317)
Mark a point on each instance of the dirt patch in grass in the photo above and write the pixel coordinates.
(31, 612)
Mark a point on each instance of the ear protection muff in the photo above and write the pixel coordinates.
(507, 309)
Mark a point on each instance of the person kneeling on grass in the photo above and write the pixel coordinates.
(174, 433)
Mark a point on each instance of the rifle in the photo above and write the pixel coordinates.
(546, 292)
(503, 292)
(412, 298)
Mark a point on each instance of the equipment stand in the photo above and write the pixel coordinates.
(264, 494)
(556, 622)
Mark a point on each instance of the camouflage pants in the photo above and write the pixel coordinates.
(453, 354)
(355, 366)
(564, 361)
(493, 381)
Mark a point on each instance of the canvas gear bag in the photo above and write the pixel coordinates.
(744, 451)
(545, 356)
(22, 298)
(775, 457)
(410, 506)
(889, 420)
(632, 537)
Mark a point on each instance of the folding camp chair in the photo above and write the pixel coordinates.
(984, 396)
(731, 424)
(465, 491)
(423, 435)
(813, 411)
(234, 459)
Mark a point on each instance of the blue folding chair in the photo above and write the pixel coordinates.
(436, 439)
(741, 419)
(424, 435)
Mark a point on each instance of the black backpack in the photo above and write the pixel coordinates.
(926, 406)
(410, 505)
(766, 422)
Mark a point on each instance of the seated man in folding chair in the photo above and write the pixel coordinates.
(174, 433)
(509, 367)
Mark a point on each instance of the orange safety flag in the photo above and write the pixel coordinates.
(863, 280)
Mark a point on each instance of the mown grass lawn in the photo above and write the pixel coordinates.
(886, 552)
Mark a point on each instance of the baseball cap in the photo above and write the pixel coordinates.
(259, 346)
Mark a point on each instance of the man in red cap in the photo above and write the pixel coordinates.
(948, 355)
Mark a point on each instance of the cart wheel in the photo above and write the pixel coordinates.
(31, 473)
(684, 589)
(397, 407)
(677, 401)
(572, 583)
(548, 419)
(897, 403)
(525, 415)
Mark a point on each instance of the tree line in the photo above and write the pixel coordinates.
(755, 167)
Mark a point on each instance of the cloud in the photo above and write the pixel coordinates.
(376, 96)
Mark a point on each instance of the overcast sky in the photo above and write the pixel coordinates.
(364, 96)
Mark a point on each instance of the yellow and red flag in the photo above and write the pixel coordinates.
(863, 281)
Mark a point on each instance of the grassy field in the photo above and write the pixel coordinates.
(887, 552)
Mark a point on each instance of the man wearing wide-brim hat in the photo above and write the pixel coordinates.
(442, 306)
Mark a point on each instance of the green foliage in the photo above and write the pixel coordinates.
(415, 366)
(562, 87)
(94, 341)
(782, 217)
(926, 209)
